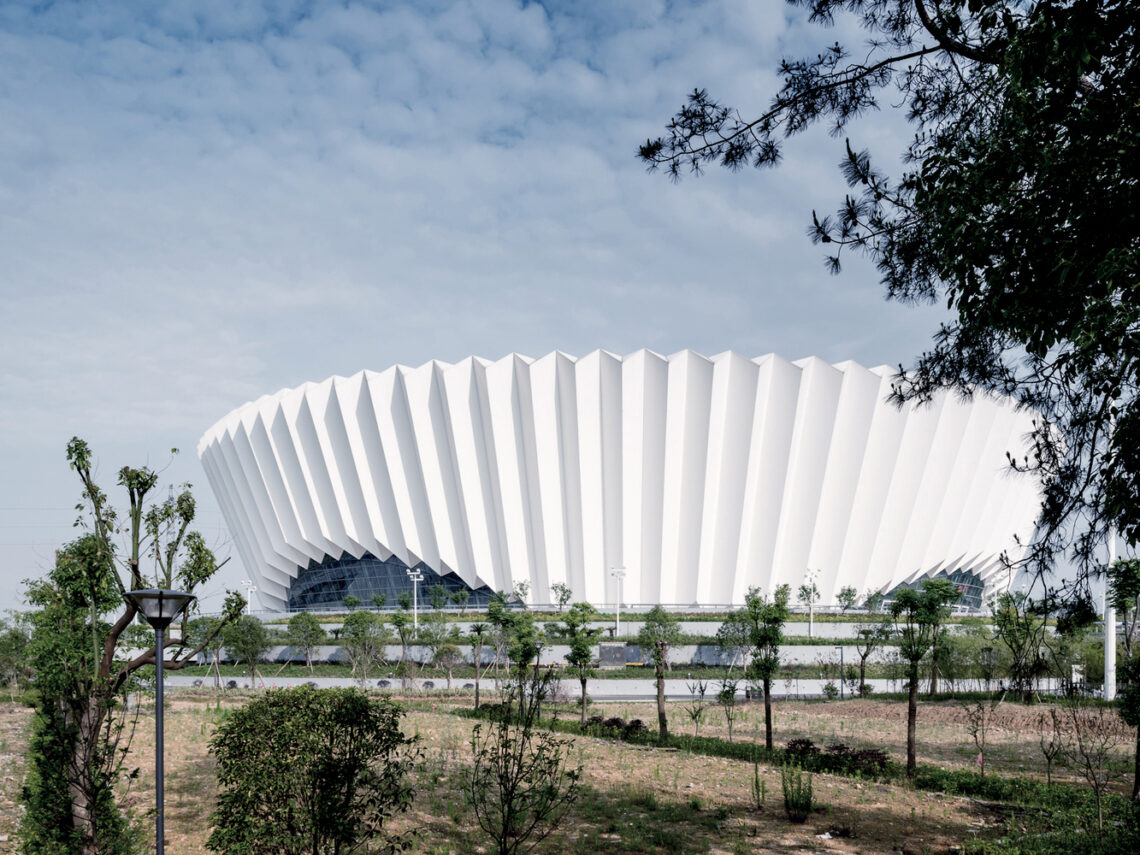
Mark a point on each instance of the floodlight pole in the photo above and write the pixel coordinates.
(619, 574)
(415, 576)
(159, 607)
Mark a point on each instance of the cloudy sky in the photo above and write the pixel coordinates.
(202, 202)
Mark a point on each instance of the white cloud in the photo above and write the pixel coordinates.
(204, 202)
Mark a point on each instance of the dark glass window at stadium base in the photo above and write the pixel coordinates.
(970, 587)
(325, 585)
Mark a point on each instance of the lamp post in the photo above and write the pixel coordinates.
(416, 576)
(159, 606)
(839, 647)
(619, 574)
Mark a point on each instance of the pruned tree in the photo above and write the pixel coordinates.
(868, 639)
(306, 632)
(80, 618)
(847, 597)
(479, 635)
(809, 595)
(562, 594)
(659, 631)
(726, 697)
(520, 784)
(1016, 209)
(733, 637)
(766, 618)
(916, 613)
(947, 593)
(246, 641)
(363, 637)
(460, 598)
(581, 638)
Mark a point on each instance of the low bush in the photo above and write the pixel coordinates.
(797, 792)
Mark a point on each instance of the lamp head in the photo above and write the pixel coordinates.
(160, 606)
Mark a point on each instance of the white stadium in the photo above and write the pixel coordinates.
(700, 477)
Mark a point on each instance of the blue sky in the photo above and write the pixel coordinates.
(202, 202)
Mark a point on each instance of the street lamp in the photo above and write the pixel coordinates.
(619, 574)
(839, 647)
(159, 607)
(416, 576)
(249, 589)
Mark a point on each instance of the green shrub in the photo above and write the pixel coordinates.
(310, 771)
(797, 792)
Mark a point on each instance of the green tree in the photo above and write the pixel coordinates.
(402, 624)
(79, 621)
(205, 632)
(847, 597)
(313, 771)
(1129, 703)
(581, 637)
(1021, 631)
(14, 668)
(1017, 209)
(1124, 583)
(873, 601)
(404, 600)
(447, 655)
(869, 638)
(765, 619)
(520, 593)
(659, 631)
(246, 641)
(306, 632)
(363, 637)
(479, 634)
(351, 601)
(379, 601)
(946, 592)
(460, 598)
(734, 639)
(521, 783)
(809, 595)
(562, 594)
(437, 596)
(916, 612)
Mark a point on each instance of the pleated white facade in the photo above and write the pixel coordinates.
(701, 477)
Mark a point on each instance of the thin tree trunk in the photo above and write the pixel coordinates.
(911, 719)
(1136, 770)
(768, 713)
(862, 677)
(583, 679)
(662, 722)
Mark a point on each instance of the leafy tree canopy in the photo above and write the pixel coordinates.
(1018, 207)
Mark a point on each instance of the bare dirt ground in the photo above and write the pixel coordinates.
(635, 799)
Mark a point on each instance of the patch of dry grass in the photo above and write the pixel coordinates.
(636, 799)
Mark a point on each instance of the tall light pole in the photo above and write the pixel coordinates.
(416, 576)
(619, 574)
(249, 589)
(159, 606)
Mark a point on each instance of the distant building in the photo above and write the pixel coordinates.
(700, 477)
